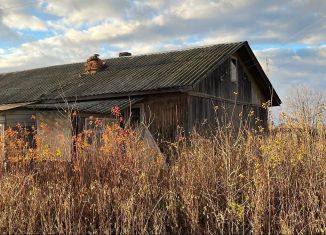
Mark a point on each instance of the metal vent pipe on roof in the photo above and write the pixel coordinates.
(125, 53)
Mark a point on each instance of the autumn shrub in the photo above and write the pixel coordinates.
(235, 181)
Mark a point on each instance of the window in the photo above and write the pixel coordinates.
(233, 70)
(135, 117)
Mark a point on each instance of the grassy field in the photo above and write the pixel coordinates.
(232, 182)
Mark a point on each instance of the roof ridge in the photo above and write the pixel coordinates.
(180, 49)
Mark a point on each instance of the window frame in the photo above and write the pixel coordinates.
(141, 109)
(233, 71)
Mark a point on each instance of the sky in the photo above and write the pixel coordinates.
(287, 36)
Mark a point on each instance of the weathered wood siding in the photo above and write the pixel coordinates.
(209, 112)
(244, 89)
(217, 99)
(201, 111)
(166, 113)
(246, 81)
(13, 117)
(218, 83)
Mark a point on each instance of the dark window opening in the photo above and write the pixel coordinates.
(135, 117)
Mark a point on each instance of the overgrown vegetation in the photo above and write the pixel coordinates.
(245, 181)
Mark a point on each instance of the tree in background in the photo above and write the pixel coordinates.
(305, 106)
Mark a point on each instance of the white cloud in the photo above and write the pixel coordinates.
(197, 9)
(46, 52)
(14, 14)
(22, 21)
(76, 12)
(102, 32)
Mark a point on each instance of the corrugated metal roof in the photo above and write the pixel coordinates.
(122, 75)
(99, 106)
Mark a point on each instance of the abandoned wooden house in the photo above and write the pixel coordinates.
(176, 88)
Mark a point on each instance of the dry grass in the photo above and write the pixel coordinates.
(248, 182)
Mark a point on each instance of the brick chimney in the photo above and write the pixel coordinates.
(94, 64)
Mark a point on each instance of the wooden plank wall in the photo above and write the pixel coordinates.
(207, 113)
(244, 85)
(166, 113)
(231, 98)
(218, 83)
